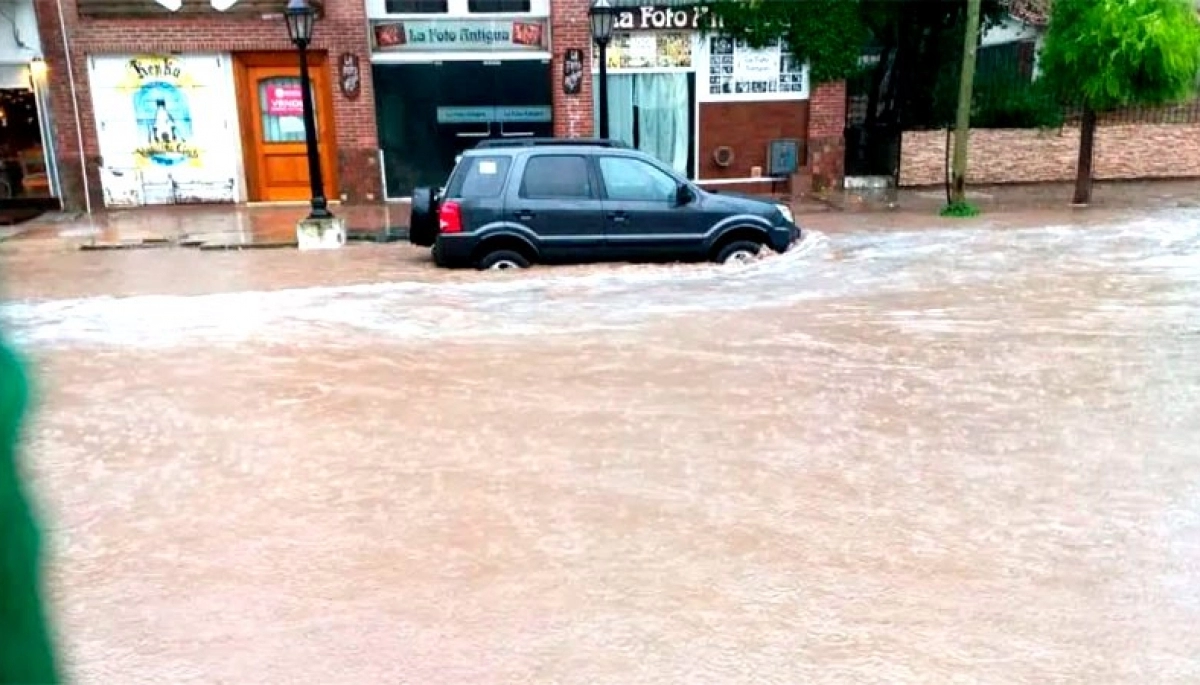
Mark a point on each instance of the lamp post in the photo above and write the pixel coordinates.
(602, 16)
(300, 18)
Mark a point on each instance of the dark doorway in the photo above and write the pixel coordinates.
(23, 172)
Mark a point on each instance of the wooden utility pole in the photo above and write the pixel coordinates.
(962, 122)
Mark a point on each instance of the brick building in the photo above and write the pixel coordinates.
(200, 103)
(705, 104)
(153, 106)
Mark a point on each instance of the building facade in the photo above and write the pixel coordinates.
(450, 73)
(716, 110)
(177, 101)
(151, 102)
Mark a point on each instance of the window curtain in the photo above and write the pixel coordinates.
(658, 104)
(662, 102)
(620, 107)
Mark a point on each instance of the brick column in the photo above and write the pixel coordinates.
(62, 115)
(570, 28)
(827, 135)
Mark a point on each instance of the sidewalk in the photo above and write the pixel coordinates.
(207, 227)
(234, 227)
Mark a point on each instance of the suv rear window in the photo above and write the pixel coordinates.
(478, 177)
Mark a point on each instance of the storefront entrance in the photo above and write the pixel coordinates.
(428, 113)
(25, 175)
(273, 126)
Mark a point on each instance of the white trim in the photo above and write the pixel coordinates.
(740, 181)
(456, 9)
(454, 56)
(649, 70)
(696, 126)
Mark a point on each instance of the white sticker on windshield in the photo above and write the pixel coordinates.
(487, 167)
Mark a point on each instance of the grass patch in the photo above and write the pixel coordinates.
(959, 210)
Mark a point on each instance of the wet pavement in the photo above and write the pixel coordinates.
(940, 452)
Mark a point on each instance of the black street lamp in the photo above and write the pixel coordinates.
(300, 18)
(602, 15)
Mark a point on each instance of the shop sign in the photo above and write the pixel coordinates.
(159, 87)
(349, 76)
(658, 18)
(475, 35)
(285, 100)
(572, 71)
(484, 115)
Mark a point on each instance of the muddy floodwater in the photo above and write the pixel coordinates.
(929, 455)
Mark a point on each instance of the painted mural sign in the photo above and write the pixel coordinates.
(158, 87)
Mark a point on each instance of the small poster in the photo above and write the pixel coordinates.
(642, 49)
(285, 100)
(572, 71)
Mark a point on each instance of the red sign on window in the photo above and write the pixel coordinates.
(285, 100)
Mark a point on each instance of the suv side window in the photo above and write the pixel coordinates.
(557, 177)
(478, 177)
(626, 178)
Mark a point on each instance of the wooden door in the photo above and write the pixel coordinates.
(273, 126)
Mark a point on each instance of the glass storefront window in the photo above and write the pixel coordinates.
(426, 116)
(498, 6)
(417, 6)
(279, 100)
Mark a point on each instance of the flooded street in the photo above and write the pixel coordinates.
(922, 455)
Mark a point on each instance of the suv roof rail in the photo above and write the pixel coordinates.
(537, 142)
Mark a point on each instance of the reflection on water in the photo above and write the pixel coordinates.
(929, 456)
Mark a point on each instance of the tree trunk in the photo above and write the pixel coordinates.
(1083, 169)
(966, 84)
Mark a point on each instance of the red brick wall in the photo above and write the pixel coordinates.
(570, 28)
(747, 127)
(343, 29)
(1130, 151)
(827, 135)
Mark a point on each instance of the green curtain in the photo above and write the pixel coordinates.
(26, 654)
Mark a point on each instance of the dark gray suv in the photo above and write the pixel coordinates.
(509, 204)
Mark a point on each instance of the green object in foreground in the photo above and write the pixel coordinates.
(26, 653)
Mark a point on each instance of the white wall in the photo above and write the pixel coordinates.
(1008, 31)
(135, 172)
(19, 41)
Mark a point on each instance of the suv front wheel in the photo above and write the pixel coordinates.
(738, 252)
(503, 259)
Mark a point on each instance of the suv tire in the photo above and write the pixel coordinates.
(503, 259)
(738, 252)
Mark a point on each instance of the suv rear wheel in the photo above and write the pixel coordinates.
(503, 259)
(739, 252)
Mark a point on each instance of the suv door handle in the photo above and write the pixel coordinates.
(524, 215)
(617, 217)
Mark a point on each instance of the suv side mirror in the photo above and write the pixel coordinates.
(683, 195)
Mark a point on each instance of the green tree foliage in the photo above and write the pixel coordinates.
(1106, 54)
(829, 34)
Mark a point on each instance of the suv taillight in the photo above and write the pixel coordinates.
(450, 217)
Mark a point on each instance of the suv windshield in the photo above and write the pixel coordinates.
(478, 176)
